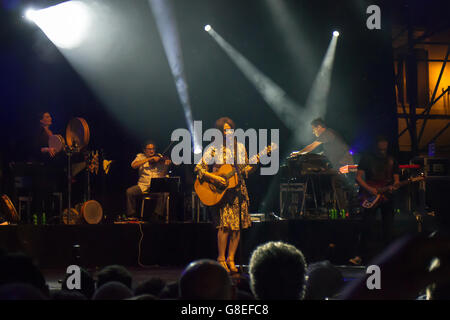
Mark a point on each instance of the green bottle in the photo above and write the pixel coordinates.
(44, 219)
(35, 219)
(343, 214)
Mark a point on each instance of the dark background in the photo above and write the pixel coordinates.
(35, 76)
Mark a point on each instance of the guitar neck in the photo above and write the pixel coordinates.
(401, 184)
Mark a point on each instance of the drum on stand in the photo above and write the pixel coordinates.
(75, 217)
(92, 212)
(77, 133)
(77, 137)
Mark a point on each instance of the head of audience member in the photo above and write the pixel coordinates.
(19, 268)
(114, 273)
(243, 292)
(318, 126)
(144, 297)
(153, 286)
(68, 295)
(277, 272)
(87, 284)
(205, 280)
(324, 281)
(170, 291)
(20, 291)
(113, 290)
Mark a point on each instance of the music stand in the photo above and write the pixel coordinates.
(166, 186)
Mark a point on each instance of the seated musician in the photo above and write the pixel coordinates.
(337, 152)
(376, 169)
(150, 165)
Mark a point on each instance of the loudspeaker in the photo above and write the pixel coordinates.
(436, 194)
(292, 200)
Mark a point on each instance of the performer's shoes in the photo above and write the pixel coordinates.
(231, 265)
(355, 261)
(223, 263)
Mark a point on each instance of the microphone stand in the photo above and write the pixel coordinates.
(239, 174)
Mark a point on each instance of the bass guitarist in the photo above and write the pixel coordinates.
(376, 170)
(225, 214)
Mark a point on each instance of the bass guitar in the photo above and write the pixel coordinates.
(210, 193)
(369, 200)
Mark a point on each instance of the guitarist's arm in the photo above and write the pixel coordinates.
(202, 169)
(396, 182)
(360, 180)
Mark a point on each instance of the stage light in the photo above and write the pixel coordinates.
(336, 33)
(207, 27)
(30, 14)
(64, 24)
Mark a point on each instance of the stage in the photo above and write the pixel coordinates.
(177, 244)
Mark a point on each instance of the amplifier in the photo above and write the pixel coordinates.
(433, 166)
(292, 200)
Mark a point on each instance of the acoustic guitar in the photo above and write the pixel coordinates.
(210, 193)
(369, 200)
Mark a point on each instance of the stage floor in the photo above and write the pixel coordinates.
(175, 244)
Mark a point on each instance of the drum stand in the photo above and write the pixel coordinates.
(69, 152)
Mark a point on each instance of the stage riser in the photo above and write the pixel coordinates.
(174, 244)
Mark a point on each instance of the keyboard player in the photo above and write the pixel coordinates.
(337, 152)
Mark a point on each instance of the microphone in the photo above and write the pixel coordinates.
(274, 216)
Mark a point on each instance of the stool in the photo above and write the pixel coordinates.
(198, 210)
(27, 200)
(149, 196)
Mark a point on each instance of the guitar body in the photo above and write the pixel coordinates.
(211, 194)
(368, 200)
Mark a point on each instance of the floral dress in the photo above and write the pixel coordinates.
(228, 207)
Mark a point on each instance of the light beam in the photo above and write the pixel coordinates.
(64, 24)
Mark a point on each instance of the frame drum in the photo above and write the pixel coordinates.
(56, 141)
(75, 217)
(92, 212)
(9, 210)
(77, 133)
